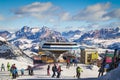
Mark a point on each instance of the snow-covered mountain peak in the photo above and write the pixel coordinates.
(44, 28)
(34, 30)
(25, 29)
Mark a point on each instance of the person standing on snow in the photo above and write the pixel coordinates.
(14, 71)
(8, 66)
(54, 69)
(22, 71)
(48, 70)
(59, 72)
(2, 67)
(101, 70)
(30, 70)
(78, 72)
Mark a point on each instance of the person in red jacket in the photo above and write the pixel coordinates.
(59, 71)
(48, 70)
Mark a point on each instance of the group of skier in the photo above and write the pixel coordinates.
(55, 70)
(12, 68)
(108, 66)
(70, 62)
(3, 66)
(58, 70)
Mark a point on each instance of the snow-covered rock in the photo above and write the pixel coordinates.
(2, 39)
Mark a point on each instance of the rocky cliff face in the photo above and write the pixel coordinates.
(7, 50)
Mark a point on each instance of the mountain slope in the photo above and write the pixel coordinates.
(9, 51)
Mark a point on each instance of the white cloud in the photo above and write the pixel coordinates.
(93, 13)
(36, 7)
(113, 14)
(38, 10)
(65, 16)
(48, 12)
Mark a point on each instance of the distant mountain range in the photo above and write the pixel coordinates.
(30, 38)
(105, 38)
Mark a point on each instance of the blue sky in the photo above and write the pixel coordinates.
(60, 15)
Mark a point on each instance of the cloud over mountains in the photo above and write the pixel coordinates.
(38, 10)
(96, 12)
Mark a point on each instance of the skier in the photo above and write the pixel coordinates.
(14, 72)
(30, 70)
(75, 62)
(78, 71)
(2, 67)
(54, 69)
(8, 66)
(48, 70)
(101, 71)
(59, 71)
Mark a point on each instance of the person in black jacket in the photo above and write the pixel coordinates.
(54, 69)
(30, 70)
(101, 70)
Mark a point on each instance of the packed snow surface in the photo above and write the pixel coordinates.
(40, 72)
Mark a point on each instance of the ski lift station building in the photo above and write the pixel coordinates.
(58, 48)
(89, 55)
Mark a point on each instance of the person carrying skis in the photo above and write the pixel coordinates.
(78, 71)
